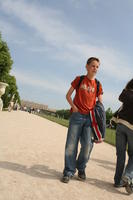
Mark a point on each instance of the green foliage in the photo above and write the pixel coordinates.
(5, 60)
(61, 121)
(10, 91)
(110, 136)
(109, 115)
(63, 113)
(5, 67)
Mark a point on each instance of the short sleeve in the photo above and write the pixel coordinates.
(75, 82)
(100, 90)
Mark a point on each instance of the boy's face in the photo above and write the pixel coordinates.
(92, 68)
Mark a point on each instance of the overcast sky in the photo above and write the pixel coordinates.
(50, 41)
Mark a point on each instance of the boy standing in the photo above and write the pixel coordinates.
(80, 123)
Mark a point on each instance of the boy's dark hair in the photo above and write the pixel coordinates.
(92, 59)
(130, 84)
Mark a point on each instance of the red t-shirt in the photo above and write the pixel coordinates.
(85, 97)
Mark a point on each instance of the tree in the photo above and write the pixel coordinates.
(5, 60)
(10, 91)
(109, 115)
(63, 113)
(5, 67)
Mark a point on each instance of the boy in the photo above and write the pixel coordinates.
(80, 122)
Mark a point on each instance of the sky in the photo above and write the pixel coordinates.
(51, 40)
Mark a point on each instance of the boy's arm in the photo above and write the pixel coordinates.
(100, 98)
(69, 99)
(100, 92)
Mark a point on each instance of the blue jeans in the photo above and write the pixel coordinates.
(79, 130)
(124, 137)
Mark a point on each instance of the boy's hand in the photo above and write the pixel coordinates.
(74, 108)
(99, 141)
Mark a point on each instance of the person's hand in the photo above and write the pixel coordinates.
(99, 141)
(74, 108)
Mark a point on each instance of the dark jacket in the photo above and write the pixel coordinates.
(98, 120)
(126, 113)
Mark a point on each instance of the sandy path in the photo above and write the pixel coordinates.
(31, 163)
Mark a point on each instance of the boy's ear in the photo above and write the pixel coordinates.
(86, 66)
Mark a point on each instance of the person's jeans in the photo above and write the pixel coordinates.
(124, 136)
(79, 130)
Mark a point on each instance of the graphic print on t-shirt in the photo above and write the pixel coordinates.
(85, 96)
(89, 88)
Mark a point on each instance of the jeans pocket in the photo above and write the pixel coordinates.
(75, 114)
(76, 117)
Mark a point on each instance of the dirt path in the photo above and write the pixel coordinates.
(32, 159)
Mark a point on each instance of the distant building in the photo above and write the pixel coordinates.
(36, 106)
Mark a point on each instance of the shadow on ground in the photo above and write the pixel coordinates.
(42, 171)
(105, 164)
(104, 185)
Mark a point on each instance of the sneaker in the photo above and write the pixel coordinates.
(118, 185)
(81, 175)
(128, 184)
(66, 178)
